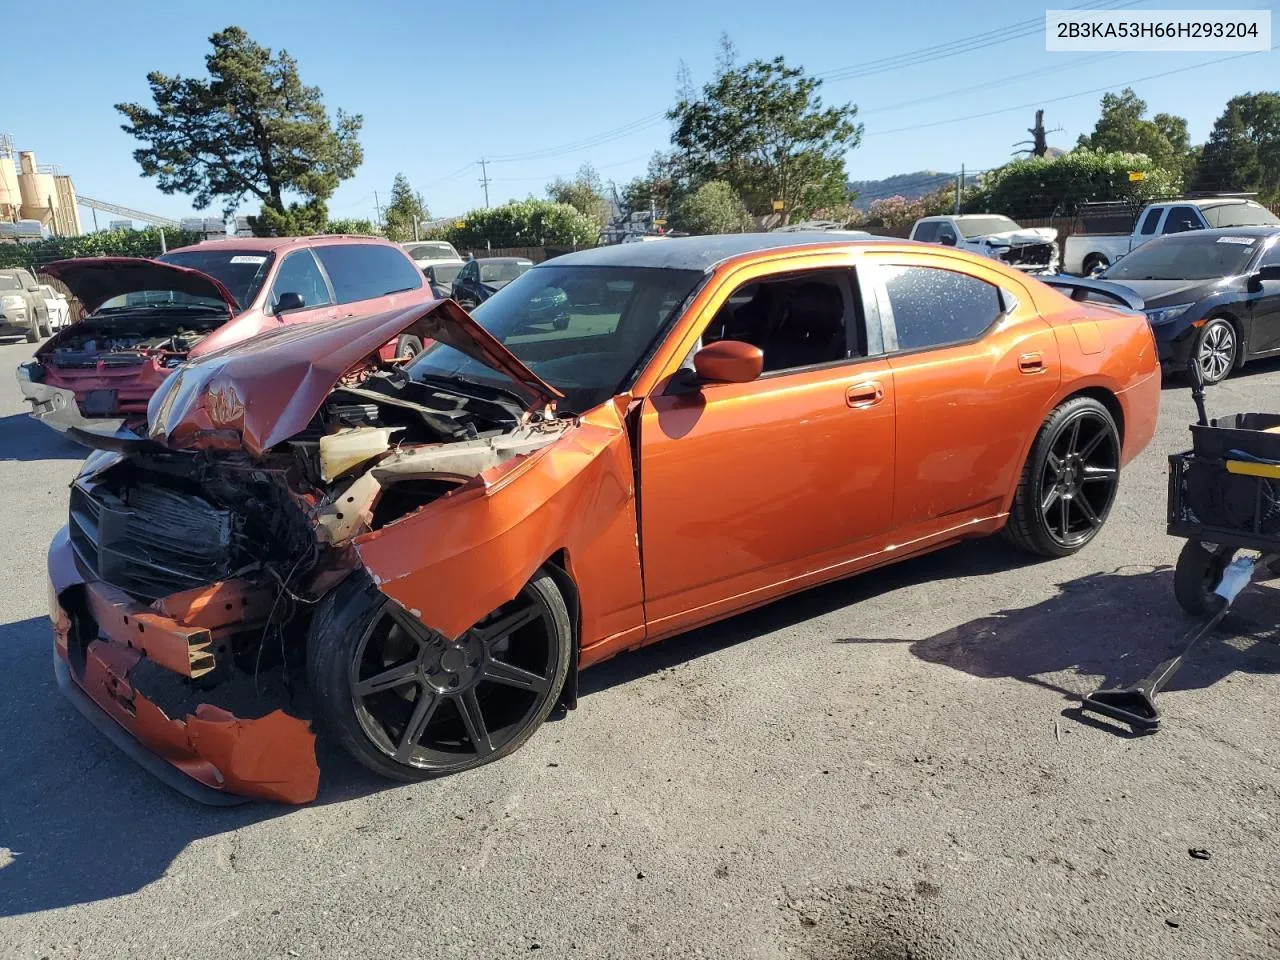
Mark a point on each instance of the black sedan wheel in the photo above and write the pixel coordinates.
(1217, 350)
(1069, 481)
(409, 703)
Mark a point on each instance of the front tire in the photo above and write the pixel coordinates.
(1094, 260)
(410, 705)
(33, 331)
(1217, 350)
(409, 347)
(1069, 481)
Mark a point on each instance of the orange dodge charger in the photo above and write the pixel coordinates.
(624, 443)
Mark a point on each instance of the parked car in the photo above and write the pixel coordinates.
(56, 305)
(1211, 294)
(1030, 249)
(441, 276)
(144, 318)
(23, 312)
(480, 279)
(1086, 253)
(427, 252)
(743, 417)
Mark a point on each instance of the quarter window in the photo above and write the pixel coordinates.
(366, 271)
(927, 231)
(1149, 221)
(299, 274)
(934, 307)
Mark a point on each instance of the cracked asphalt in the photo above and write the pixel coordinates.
(883, 768)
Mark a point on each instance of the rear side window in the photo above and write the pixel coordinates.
(933, 307)
(927, 232)
(364, 271)
(1149, 221)
(299, 274)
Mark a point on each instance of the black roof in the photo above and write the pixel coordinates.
(1251, 230)
(700, 253)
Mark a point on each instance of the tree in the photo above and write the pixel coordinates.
(1045, 187)
(1229, 160)
(1122, 128)
(585, 193)
(653, 190)
(251, 129)
(360, 227)
(523, 223)
(713, 208)
(405, 209)
(763, 129)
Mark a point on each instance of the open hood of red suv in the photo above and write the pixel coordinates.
(264, 390)
(95, 280)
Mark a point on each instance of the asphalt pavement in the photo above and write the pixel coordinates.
(883, 768)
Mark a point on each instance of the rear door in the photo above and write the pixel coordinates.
(300, 274)
(973, 367)
(371, 278)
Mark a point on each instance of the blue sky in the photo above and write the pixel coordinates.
(440, 85)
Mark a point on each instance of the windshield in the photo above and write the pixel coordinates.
(9, 282)
(433, 251)
(502, 271)
(1186, 256)
(1239, 215)
(584, 330)
(161, 298)
(981, 226)
(243, 272)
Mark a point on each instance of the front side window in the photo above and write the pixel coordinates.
(800, 320)
(1181, 219)
(299, 274)
(933, 307)
(1271, 258)
(584, 330)
(366, 271)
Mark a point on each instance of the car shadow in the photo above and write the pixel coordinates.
(969, 559)
(22, 438)
(80, 821)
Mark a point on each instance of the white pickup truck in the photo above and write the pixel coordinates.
(1031, 249)
(1084, 253)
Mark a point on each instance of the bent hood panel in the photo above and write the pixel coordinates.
(1022, 237)
(95, 280)
(259, 392)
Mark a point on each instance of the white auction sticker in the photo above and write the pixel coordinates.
(247, 259)
(1243, 241)
(1194, 31)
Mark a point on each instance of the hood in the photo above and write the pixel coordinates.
(1024, 235)
(95, 280)
(1164, 293)
(261, 391)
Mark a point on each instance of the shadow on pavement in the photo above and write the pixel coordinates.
(79, 821)
(22, 438)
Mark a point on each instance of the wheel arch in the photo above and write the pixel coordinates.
(557, 565)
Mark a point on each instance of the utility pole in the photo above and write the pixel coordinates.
(959, 188)
(484, 181)
(377, 210)
(1039, 145)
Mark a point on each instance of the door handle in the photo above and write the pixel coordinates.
(865, 394)
(1031, 363)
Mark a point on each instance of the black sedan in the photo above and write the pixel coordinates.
(481, 278)
(1210, 294)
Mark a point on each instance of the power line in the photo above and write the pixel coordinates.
(1067, 96)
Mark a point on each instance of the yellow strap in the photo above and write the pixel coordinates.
(1271, 470)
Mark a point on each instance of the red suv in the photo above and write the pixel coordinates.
(145, 317)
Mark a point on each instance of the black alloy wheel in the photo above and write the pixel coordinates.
(410, 704)
(1217, 349)
(1069, 482)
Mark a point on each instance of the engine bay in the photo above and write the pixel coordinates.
(129, 340)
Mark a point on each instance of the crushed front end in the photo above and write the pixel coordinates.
(185, 583)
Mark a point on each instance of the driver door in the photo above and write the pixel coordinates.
(752, 490)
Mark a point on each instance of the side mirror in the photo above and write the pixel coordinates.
(289, 301)
(729, 361)
(947, 240)
(1270, 272)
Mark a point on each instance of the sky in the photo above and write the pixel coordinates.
(539, 88)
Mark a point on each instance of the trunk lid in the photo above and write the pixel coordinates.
(259, 392)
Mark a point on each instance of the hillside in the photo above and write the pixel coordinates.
(909, 185)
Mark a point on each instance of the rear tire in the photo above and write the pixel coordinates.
(408, 346)
(1069, 481)
(1197, 574)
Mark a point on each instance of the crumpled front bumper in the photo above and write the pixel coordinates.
(57, 407)
(105, 648)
